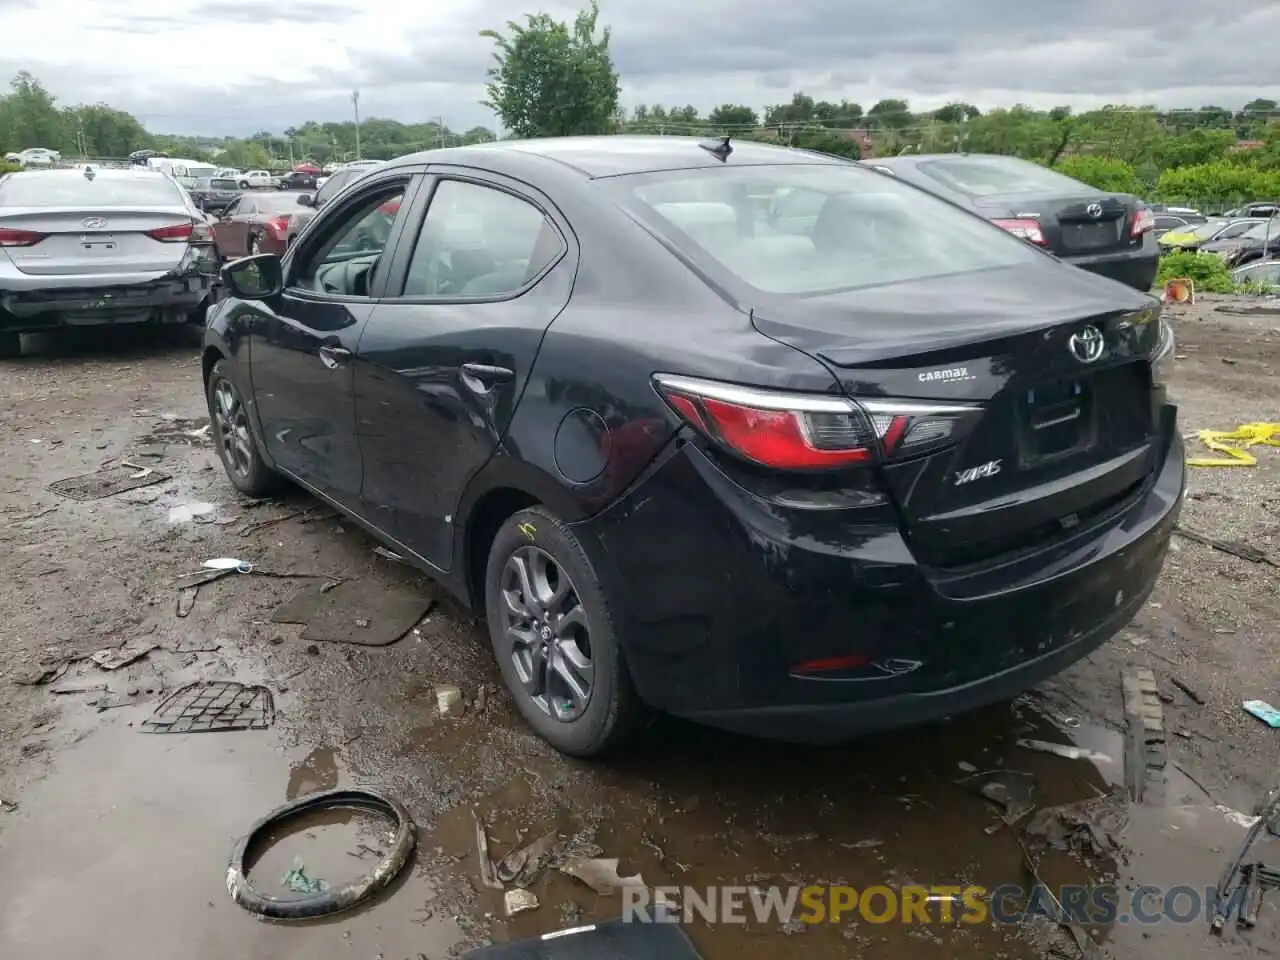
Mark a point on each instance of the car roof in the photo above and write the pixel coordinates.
(611, 156)
(99, 173)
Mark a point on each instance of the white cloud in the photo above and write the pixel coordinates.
(236, 66)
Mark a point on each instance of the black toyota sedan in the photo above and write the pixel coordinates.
(741, 433)
(1112, 234)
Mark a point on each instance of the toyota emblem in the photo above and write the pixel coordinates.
(94, 223)
(1094, 210)
(1087, 345)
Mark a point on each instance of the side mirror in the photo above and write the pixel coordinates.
(306, 200)
(254, 278)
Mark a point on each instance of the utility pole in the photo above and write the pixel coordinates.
(440, 132)
(291, 163)
(355, 104)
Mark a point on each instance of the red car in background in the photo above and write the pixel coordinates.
(256, 223)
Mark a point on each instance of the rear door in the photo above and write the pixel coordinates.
(486, 266)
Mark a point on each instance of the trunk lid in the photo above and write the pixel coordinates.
(1084, 225)
(84, 241)
(1058, 440)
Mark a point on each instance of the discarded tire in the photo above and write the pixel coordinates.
(338, 898)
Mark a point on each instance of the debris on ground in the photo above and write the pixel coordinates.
(488, 873)
(1241, 550)
(213, 705)
(1186, 688)
(44, 674)
(518, 901)
(187, 599)
(8, 806)
(1064, 751)
(1146, 752)
(388, 555)
(1263, 711)
(1089, 827)
(1085, 946)
(1011, 790)
(449, 701)
(296, 879)
(187, 512)
(600, 874)
(108, 482)
(523, 866)
(367, 614)
(115, 659)
(1249, 878)
(1234, 444)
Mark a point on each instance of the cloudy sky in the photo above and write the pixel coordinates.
(228, 67)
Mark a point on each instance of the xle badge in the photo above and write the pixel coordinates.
(988, 469)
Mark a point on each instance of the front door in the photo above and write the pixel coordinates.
(302, 355)
(480, 272)
(230, 233)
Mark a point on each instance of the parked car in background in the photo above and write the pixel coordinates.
(13, 157)
(1166, 222)
(216, 194)
(188, 173)
(256, 222)
(1262, 208)
(1106, 233)
(844, 447)
(1259, 242)
(1195, 236)
(257, 179)
(310, 204)
(1189, 214)
(1260, 273)
(97, 246)
(297, 180)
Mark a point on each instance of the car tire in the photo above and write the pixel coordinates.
(10, 346)
(243, 184)
(233, 436)
(550, 553)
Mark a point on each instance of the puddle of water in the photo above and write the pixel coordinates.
(126, 819)
(335, 846)
(318, 770)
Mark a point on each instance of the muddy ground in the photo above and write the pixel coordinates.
(114, 841)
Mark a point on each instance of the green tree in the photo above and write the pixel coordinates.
(552, 79)
(1105, 173)
(890, 114)
(733, 115)
(29, 117)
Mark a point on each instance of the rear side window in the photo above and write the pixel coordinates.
(55, 190)
(478, 241)
(993, 176)
(806, 230)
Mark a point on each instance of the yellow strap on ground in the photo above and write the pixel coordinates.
(1233, 444)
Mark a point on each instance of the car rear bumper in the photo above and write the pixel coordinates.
(1134, 268)
(103, 302)
(720, 598)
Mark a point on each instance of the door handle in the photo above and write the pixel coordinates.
(482, 377)
(332, 355)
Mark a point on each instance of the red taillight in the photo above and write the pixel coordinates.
(1144, 221)
(173, 234)
(804, 431)
(19, 238)
(1028, 230)
(279, 224)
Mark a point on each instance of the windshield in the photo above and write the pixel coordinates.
(809, 229)
(1203, 231)
(992, 176)
(53, 189)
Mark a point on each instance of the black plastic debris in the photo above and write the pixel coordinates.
(107, 483)
(209, 706)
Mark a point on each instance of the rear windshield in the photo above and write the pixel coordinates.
(200, 172)
(221, 184)
(57, 190)
(810, 229)
(992, 176)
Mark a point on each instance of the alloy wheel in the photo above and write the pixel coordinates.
(547, 633)
(232, 424)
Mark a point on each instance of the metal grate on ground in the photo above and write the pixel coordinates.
(213, 705)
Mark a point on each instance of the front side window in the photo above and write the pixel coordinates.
(348, 252)
(479, 241)
(801, 229)
(331, 187)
